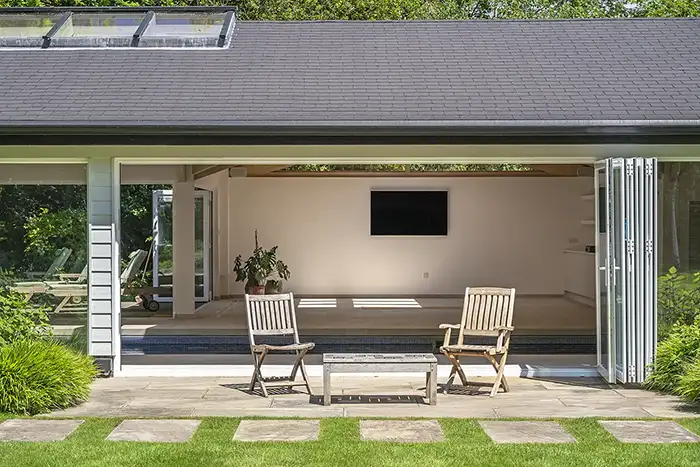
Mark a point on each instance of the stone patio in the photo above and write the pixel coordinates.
(37, 430)
(641, 431)
(154, 431)
(401, 431)
(502, 432)
(277, 430)
(388, 396)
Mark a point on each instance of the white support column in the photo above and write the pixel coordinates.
(223, 266)
(103, 264)
(183, 244)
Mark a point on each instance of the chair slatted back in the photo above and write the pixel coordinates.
(486, 308)
(136, 259)
(58, 262)
(271, 315)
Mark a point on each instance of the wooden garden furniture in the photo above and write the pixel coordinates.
(487, 312)
(274, 315)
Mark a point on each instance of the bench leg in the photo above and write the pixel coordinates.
(326, 384)
(431, 387)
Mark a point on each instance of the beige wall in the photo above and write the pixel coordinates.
(503, 231)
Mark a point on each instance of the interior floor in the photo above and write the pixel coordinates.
(533, 315)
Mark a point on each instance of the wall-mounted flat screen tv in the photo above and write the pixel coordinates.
(409, 213)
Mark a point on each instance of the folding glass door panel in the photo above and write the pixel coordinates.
(626, 262)
(163, 247)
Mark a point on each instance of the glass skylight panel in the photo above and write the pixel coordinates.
(97, 30)
(167, 27)
(186, 25)
(185, 30)
(25, 30)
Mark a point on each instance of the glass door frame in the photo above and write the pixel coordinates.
(604, 265)
(206, 197)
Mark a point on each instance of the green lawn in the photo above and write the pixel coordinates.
(466, 446)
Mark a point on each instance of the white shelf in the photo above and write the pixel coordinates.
(587, 197)
(588, 222)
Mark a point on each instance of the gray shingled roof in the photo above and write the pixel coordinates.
(340, 72)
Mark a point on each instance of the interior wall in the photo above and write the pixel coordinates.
(503, 231)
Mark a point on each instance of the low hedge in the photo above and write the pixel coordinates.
(689, 384)
(676, 368)
(38, 376)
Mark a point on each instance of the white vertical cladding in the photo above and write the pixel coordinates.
(101, 254)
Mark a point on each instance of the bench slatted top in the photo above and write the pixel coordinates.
(379, 358)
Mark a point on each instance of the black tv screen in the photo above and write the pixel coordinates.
(409, 213)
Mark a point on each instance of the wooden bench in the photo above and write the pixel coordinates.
(381, 363)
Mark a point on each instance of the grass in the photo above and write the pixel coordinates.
(340, 445)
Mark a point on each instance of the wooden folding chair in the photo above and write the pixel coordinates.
(487, 312)
(274, 315)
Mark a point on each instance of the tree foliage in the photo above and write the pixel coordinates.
(297, 10)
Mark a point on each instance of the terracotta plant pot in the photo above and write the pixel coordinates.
(257, 290)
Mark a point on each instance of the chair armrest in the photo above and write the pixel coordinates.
(503, 341)
(448, 332)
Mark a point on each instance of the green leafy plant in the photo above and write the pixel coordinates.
(262, 268)
(689, 383)
(19, 319)
(674, 356)
(678, 300)
(37, 376)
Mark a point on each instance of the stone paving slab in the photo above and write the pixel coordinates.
(35, 430)
(277, 430)
(652, 431)
(505, 432)
(401, 431)
(154, 431)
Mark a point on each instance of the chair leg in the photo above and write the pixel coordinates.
(306, 377)
(456, 368)
(499, 366)
(60, 306)
(257, 375)
(295, 368)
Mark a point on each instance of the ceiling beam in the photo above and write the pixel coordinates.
(262, 170)
(210, 171)
(561, 170)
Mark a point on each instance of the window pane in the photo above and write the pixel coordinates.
(26, 25)
(186, 25)
(101, 25)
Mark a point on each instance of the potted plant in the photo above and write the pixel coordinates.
(262, 272)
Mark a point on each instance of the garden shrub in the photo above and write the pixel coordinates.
(19, 319)
(674, 356)
(678, 300)
(689, 384)
(38, 376)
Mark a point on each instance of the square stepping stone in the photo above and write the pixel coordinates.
(37, 430)
(401, 431)
(277, 430)
(154, 431)
(502, 432)
(640, 431)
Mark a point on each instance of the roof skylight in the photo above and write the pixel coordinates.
(200, 27)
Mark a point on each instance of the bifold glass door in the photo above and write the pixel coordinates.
(626, 224)
(163, 247)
